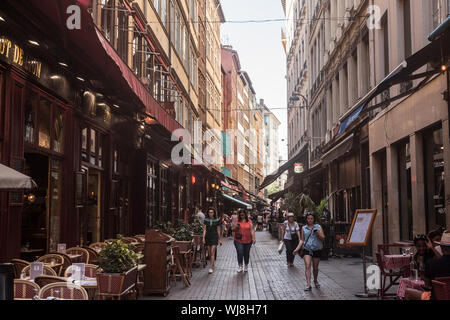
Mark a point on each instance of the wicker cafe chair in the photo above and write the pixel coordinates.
(97, 246)
(44, 280)
(67, 261)
(19, 264)
(25, 290)
(93, 255)
(52, 257)
(129, 240)
(66, 291)
(47, 271)
(446, 280)
(387, 274)
(90, 271)
(441, 290)
(81, 251)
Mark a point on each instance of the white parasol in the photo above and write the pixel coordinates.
(11, 179)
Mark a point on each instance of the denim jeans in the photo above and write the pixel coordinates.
(243, 252)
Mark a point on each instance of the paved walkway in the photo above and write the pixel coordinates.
(268, 277)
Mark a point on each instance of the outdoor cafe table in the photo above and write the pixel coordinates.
(396, 261)
(406, 283)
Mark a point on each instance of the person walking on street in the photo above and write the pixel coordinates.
(290, 234)
(311, 243)
(212, 236)
(244, 237)
(234, 218)
(199, 214)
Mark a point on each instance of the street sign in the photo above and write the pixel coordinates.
(298, 167)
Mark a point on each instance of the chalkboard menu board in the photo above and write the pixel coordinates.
(361, 227)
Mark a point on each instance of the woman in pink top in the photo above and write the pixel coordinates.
(244, 237)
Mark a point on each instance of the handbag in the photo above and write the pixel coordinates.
(281, 247)
(302, 249)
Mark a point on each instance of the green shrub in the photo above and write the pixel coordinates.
(117, 257)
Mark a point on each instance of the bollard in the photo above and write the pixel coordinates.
(6, 281)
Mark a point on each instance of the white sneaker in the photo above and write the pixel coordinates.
(239, 270)
(246, 269)
(211, 270)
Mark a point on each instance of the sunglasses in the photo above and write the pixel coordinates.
(420, 237)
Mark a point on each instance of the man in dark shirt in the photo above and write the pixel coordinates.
(434, 268)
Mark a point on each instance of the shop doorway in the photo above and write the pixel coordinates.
(35, 208)
(93, 206)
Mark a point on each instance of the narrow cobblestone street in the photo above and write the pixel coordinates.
(268, 277)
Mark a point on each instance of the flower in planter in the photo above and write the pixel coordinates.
(183, 234)
(117, 257)
(197, 227)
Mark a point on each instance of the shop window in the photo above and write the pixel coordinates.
(55, 203)
(137, 53)
(107, 18)
(100, 150)
(84, 144)
(116, 161)
(122, 39)
(44, 123)
(434, 178)
(58, 130)
(31, 105)
(405, 197)
(93, 144)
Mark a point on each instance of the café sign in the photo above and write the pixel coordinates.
(12, 53)
(298, 167)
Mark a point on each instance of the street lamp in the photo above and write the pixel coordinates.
(296, 97)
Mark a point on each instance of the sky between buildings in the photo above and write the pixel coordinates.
(260, 52)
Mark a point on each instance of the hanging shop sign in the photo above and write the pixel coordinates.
(298, 167)
(13, 53)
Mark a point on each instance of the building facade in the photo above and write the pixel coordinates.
(409, 138)
(88, 114)
(370, 143)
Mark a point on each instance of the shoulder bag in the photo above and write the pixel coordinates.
(302, 249)
(294, 236)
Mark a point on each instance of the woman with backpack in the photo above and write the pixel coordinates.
(310, 248)
(291, 236)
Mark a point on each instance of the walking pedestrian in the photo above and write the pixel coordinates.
(311, 243)
(234, 217)
(212, 236)
(244, 237)
(290, 234)
(199, 214)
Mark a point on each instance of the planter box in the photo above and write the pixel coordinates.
(116, 284)
(183, 245)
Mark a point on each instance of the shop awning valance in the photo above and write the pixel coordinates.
(436, 51)
(275, 196)
(11, 179)
(290, 163)
(338, 151)
(239, 202)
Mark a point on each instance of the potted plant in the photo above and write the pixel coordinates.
(183, 237)
(119, 269)
(165, 227)
(197, 231)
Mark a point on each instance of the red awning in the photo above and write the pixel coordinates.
(92, 48)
